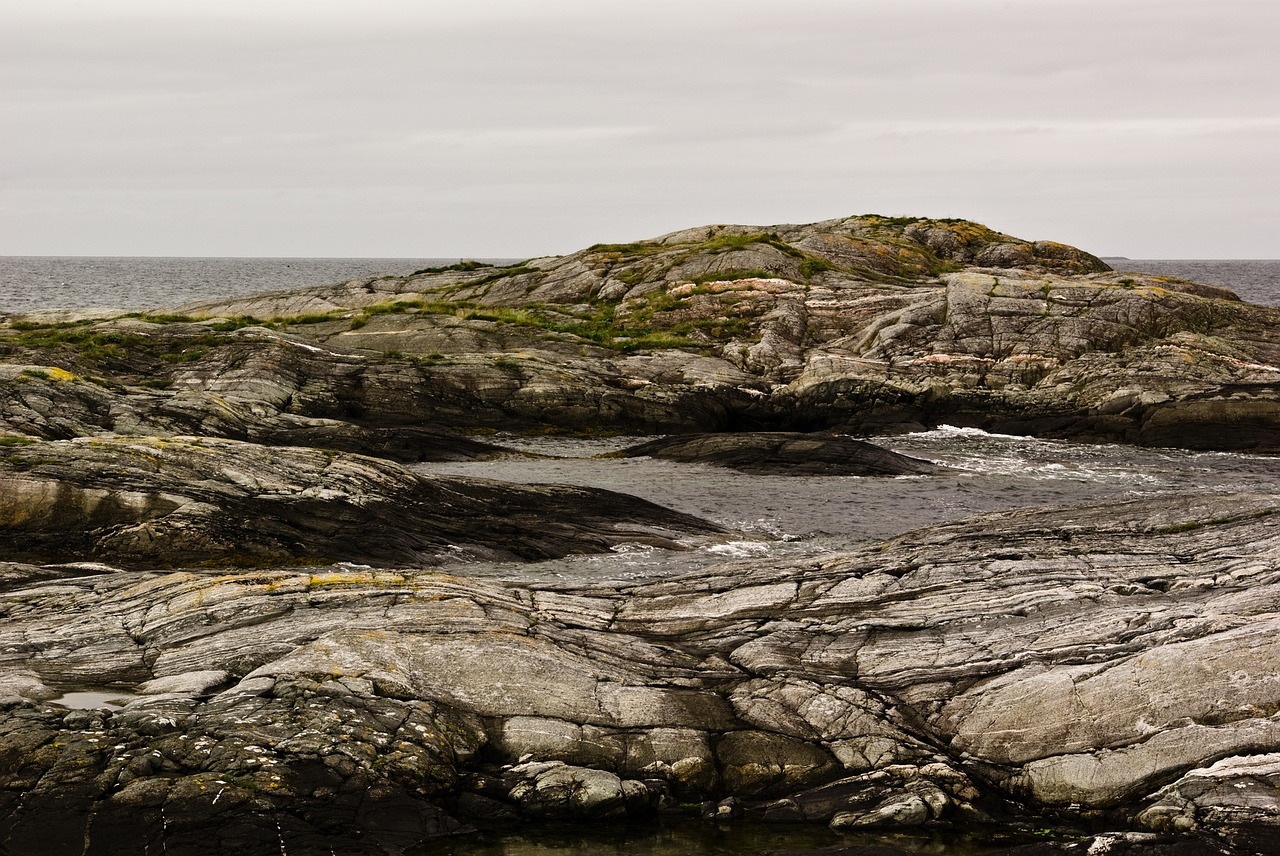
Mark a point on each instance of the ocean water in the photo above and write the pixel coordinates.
(1255, 280)
(788, 517)
(34, 283)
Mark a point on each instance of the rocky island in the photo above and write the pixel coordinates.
(215, 513)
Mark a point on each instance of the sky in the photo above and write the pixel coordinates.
(514, 128)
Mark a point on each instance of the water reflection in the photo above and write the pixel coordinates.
(668, 835)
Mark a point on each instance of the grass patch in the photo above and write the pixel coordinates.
(464, 266)
(653, 341)
(813, 265)
(17, 440)
(633, 249)
(162, 318)
(312, 318)
(728, 243)
(228, 325)
(633, 276)
(186, 355)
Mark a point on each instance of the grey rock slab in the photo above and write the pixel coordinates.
(783, 454)
(147, 502)
(989, 664)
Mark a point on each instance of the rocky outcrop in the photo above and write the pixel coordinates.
(783, 454)
(147, 503)
(190, 526)
(863, 324)
(1114, 664)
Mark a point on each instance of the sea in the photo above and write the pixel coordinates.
(36, 283)
(772, 517)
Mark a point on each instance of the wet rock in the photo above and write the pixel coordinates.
(555, 789)
(778, 453)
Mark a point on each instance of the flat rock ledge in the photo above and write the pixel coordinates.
(1113, 666)
(164, 502)
(784, 453)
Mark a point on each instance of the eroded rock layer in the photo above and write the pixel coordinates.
(1116, 662)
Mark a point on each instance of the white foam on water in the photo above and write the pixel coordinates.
(740, 549)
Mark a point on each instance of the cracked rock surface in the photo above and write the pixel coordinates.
(982, 670)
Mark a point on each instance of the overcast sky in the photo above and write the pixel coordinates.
(438, 128)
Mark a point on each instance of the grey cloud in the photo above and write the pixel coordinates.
(510, 128)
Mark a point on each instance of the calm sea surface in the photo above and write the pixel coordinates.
(33, 283)
(1255, 280)
(779, 518)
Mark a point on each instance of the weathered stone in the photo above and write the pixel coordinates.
(554, 789)
(783, 454)
(758, 763)
(156, 502)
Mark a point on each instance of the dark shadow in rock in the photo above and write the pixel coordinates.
(403, 443)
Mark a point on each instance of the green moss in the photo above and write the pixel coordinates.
(727, 243)
(186, 355)
(717, 328)
(162, 318)
(633, 276)
(881, 220)
(813, 265)
(653, 341)
(16, 440)
(229, 324)
(633, 249)
(313, 318)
